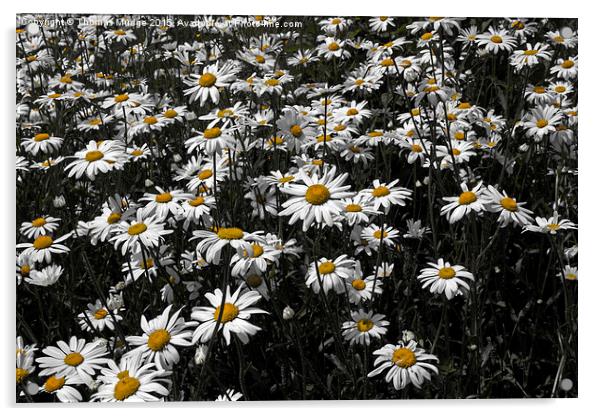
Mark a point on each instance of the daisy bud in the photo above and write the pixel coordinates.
(426, 180)
(523, 147)
(120, 286)
(200, 354)
(33, 389)
(288, 313)
(59, 201)
(566, 384)
(148, 183)
(472, 347)
(177, 158)
(115, 302)
(407, 336)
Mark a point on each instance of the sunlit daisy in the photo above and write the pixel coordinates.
(442, 277)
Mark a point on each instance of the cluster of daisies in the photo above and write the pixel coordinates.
(206, 162)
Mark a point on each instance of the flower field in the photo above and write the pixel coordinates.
(295, 208)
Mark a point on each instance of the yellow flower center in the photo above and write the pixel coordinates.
(380, 233)
(560, 89)
(531, 52)
(199, 200)
(150, 120)
(73, 359)
(25, 269)
(38, 222)
(207, 80)
(272, 82)
(467, 198)
(54, 383)
(568, 64)
(359, 82)
(55, 95)
(158, 339)
(286, 179)
(259, 59)
(352, 112)
(317, 162)
(387, 62)
(571, 276)
(416, 148)
(353, 208)
(121, 98)
(94, 155)
(404, 357)
(171, 113)
(230, 233)
(317, 194)
(496, 39)
(113, 217)
(426, 36)
(553, 227)
(126, 386)
(296, 130)
(539, 89)
(212, 133)
(326, 268)
(100, 314)
(509, 204)
(257, 250)
(364, 325)
(335, 21)
(66, 79)
(21, 373)
(333, 47)
(137, 228)
(254, 280)
(380, 191)
(42, 242)
(163, 198)
(229, 314)
(40, 137)
(541, 123)
(447, 273)
(358, 284)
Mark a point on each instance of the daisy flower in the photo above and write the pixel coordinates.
(565, 68)
(230, 396)
(510, 210)
(62, 388)
(364, 326)
(357, 209)
(43, 247)
(41, 143)
(329, 274)
(386, 195)
(406, 363)
(551, 225)
(206, 85)
(253, 261)
(468, 201)
(374, 234)
(212, 140)
(160, 338)
(212, 242)
(569, 273)
(45, 277)
(132, 380)
(146, 230)
(39, 226)
(96, 157)
(318, 198)
(542, 120)
(99, 316)
(442, 277)
(232, 317)
(497, 40)
(77, 358)
(381, 23)
(163, 203)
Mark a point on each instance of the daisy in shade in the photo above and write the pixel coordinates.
(331, 273)
(41, 143)
(510, 210)
(96, 157)
(551, 225)
(374, 235)
(386, 195)
(497, 40)
(77, 358)
(565, 68)
(24, 364)
(39, 226)
(43, 247)
(45, 277)
(316, 199)
(213, 241)
(196, 207)
(133, 380)
(442, 277)
(146, 230)
(255, 261)
(295, 129)
(24, 266)
(160, 338)
(232, 317)
(163, 203)
(542, 120)
(406, 363)
(99, 316)
(531, 56)
(230, 396)
(468, 201)
(62, 388)
(206, 85)
(364, 326)
(569, 273)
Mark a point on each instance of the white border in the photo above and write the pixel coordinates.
(590, 109)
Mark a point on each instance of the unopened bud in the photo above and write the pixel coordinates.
(288, 313)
